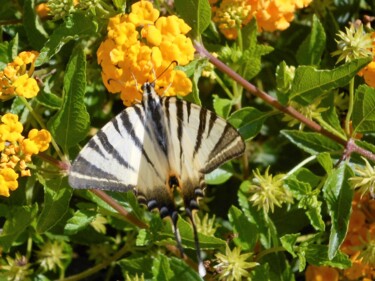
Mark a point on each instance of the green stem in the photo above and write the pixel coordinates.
(301, 164)
(98, 267)
(350, 108)
(269, 251)
(330, 128)
(29, 248)
(41, 124)
(225, 88)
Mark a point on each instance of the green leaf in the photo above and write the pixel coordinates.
(196, 13)
(18, 220)
(72, 122)
(49, 100)
(338, 194)
(57, 194)
(246, 230)
(161, 269)
(187, 237)
(133, 266)
(288, 241)
(217, 176)
(78, 26)
(332, 121)
(325, 161)
(251, 63)
(266, 228)
(364, 110)
(307, 200)
(312, 143)
(182, 271)
(248, 121)
(222, 106)
(310, 83)
(33, 27)
(313, 211)
(311, 49)
(80, 220)
(318, 255)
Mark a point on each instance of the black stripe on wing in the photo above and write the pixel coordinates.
(201, 129)
(84, 174)
(228, 146)
(138, 143)
(110, 149)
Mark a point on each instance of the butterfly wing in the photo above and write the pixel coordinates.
(202, 141)
(114, 158)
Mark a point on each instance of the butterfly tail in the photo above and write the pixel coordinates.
(201, 268)
(174, 218)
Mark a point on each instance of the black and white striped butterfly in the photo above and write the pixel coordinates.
(155, 147)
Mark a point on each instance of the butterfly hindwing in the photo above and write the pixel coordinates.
(205, 139)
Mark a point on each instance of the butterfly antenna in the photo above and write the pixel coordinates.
(165, 70)
(201, 268)
(174, 218)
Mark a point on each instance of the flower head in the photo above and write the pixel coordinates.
(16, 78)
(205, 225)
(51, 255)
(320, 273)
(141, 46)
(353, 44)
(270, 15)
(230, 16)
(366, 179)
(16, 151)
(17, 268)
(311, 111)
(233, 265)
(268, 191)
(100, 252)
(60, 9)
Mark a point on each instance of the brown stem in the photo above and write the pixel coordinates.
(62, 165)
(120, 209)
(349, 145)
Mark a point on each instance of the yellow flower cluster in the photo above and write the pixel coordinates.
(271, 15)
(368, 72)
(16, 79)
(359, 239)
(232, 15)
(16, 151)
(140, 47)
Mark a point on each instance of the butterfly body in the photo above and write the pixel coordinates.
(155, 147)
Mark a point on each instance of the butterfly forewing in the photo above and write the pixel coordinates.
(112, 158)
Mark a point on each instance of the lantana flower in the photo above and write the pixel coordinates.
(360, 239)
(16, 151)
(141, 46)
(16, 78)
(271, 15)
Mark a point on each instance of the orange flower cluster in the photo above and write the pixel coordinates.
(271, 15)
(140, 47)
(16, 79)
(358, 244)
(16, 151)
(368, 72)
(361, 235)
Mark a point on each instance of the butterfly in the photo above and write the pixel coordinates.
(155, 147)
